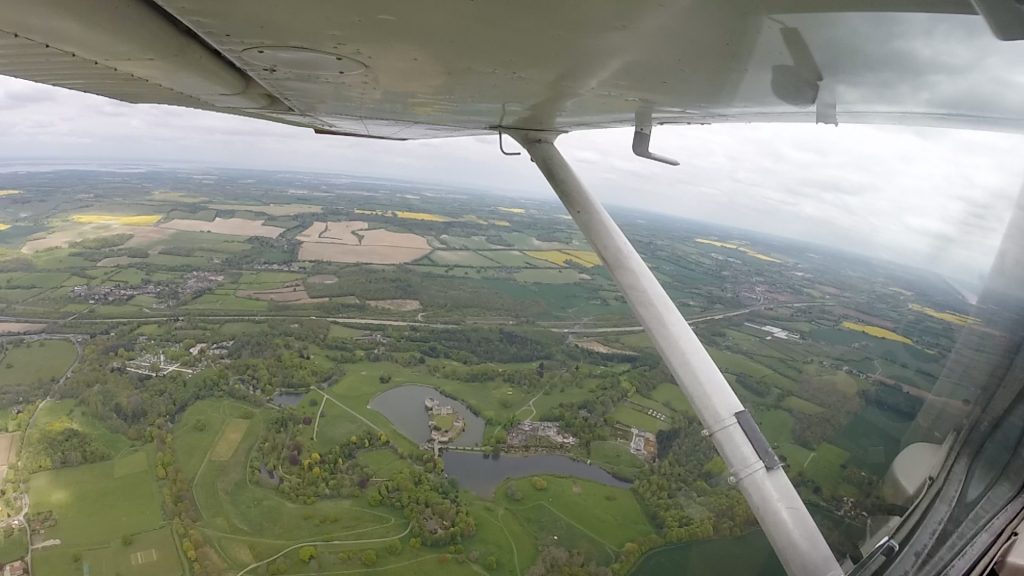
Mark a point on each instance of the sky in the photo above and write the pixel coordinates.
(933, 198)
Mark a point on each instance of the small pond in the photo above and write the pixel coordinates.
(287, 398)
(483, 475)
(404, 407)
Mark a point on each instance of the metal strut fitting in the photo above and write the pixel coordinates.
(788, 526)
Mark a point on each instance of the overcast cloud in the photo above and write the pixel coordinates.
(929, 197)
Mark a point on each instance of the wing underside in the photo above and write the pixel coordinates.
(408, 70)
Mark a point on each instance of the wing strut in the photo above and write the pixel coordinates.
(775, 503)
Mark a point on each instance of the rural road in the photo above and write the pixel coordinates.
(327, 543)
(21, 451)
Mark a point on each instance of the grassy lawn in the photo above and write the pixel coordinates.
(94, 508)
(266, 279)
(129, 276)
(800, 405)
(14, 545)
(592, 517)
(670, 395)
(616, 458)
(500, 533)
(53, 410)
(736, 364)
(652, 404)
(383, 462)
(39, 361)
(872, 438)
(515, 259)
(630, 416)
(548, 276)
(755, 557)
(227, 302)
(824, 467)
(9, 280)
(461, 258)
(777, 425)
(153, 552)
(253, 521)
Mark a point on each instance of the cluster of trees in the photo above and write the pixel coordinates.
(430, 501)
(589, 419)
(686, 466)
(555, 561)
(264, 251)
(479, 345)
(180, 508)
(62, 444)
(101, 242)
(309, 475)
(893, 400)
(275, 362)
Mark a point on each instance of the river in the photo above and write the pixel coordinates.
(483, 475)
(403, 406)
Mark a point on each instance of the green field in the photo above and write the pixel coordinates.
(631, 416)
(13, 545)
(671, 396)
(800, 405)
(152, 552)
(732, 363)
(825, 469)
(466, 243)
(227, 302)
(548, 276)
(574, 513)
(253, 521)
(43, 361)
(460, 258)
(383, 462)
(53, 410)
(616, 458)
(516, 259)
(750, 555)
(95, 508)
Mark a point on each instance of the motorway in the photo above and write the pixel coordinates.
(577, 329)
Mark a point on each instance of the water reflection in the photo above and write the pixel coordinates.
(483, 475)
(404, 407)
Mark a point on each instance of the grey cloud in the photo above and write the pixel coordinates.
(929, 197)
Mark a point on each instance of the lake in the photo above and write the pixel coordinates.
(287, 399)
(403, 406)
(483, 475)
(750, 554)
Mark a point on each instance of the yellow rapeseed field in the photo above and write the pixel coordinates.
(588, 256)
(138, 220)
(744, 249)
(952, 317)
(559, 257)
(717, 243)
(877, 332)
(9, 192)
(406, 215)
(4, 226)
(512, 210)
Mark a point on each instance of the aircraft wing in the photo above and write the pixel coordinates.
(400, 69)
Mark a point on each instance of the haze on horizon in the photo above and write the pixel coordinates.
(933, 198)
